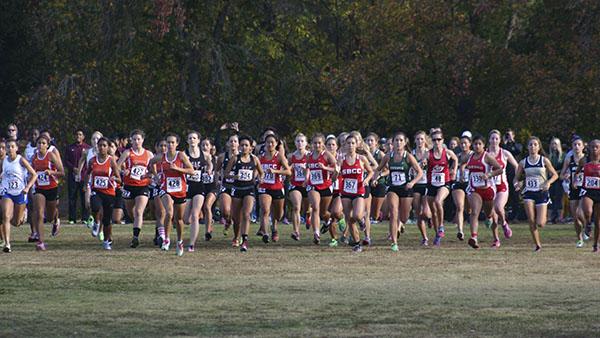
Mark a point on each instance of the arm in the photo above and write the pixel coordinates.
(417, 168)
(496, 167)
(116, 172)
(286, 170)
(331, 162)
(87, 176)
(227, 171)
(518, 173)
(552, 171)
(564, 172)
(510, 158)
(60, 171)
(261, 173)
(454, 167)
(187, 165)
(122, 160)
(366, 166)
(32, 175)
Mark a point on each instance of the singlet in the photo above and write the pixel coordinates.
(501, 159)
(13, 176)
(200, 166)
(298, 166)
(591, 176)
(101, 176)
(421, 161)
(399, 171)
(226, 181)
(477, 170)
(244, 173)
(463, 175)
(271, 181)
(577, 179)
(535, 174)
(29, 152)
(40, 165)
(173, 182)
(319, 179)
(438, 173)
(138, 167)
(352, 175)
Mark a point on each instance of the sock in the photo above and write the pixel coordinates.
(474, 235)
(136, 232)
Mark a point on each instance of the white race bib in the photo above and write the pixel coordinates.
(245, 175)
(299, 172)
(43, 179)
(137, 171)
(592, 182)
(101, 182)
(350, 185)
(336, 185)
(398, 178)
(207, 179)
(533, 183)
(174, 184)
(269, 178)
(438, 179)
(316, 177)
(465, 175)
(478, 180)
(578, 179)
(497, 179)
(196, 177)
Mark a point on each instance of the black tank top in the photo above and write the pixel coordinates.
(244, 173)
(199, 164)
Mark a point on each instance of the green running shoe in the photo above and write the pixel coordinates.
(101, 236)
(342, 225)
(333, 243)
(580, 244)
(395, 247)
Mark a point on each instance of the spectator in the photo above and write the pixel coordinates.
(557, 157)
(12, 132)
(75, 185)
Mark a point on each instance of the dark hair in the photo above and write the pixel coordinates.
(535, 138)
(274, 136)
(172, 135)
(137, 132)
(245, 138)
(195, 132)
(104, 139)
(210, 141)
(43, 137)
(478, 137)
(157, 143)
(318, 135)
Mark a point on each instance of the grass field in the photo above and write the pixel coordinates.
(298, 289)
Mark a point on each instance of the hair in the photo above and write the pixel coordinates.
(436, 131)
(300, 135)
(495, 131)
(318, 136)
(478, 138)
(374, 135)
(157, 143)
(172, 135)
(273, 136)
(104, 139)
(194, 132)
(12, 125)
(535, 138)
(97, 134)
(360, 143)
(455, 139)
(137, 132)
(403, 135)
(210, 141)
(245, 138)
(560, 151)
(43, 137)
(427, 138)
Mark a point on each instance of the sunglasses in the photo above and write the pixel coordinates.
(437, 139)
(12, 130)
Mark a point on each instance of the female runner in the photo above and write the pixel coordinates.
(225, 195)
(297, 192)
(574, 183)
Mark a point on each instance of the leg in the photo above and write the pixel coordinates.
(265, 201)
(277, 213)
(209, 201)
(393, 203)
(37, 216)
(178, 219)
(194, 208)
(530, 211)
(7, 214)
(458, 196)
(296, 199)
(476, 205)
(167, 203)
(314, 199)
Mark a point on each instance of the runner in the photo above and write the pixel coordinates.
(459, 186)
(335, 207)
(297, 192)
(379, 189)
(420, 205)
(210, 187)
(590, 192)
(225, 194)
(195, 186)
(574, 182)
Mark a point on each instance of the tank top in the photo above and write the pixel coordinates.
(101, 173)
(13, 176)
(209, 177)
(91, 153)
(298, 166)
(535, 174)
(319, 179)
(352, 175)
(501, 159)
(244, 173)
(591, 176)
(438, 173)
(29, 152)
(421, 162)
(463, 176)
(138, 167)
(40, 165)
(200, 165)
(271, 181)
(577, 179)
(225, 180)
(477, 170)
(399, 170)
(173, 182)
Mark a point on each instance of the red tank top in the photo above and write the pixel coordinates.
(591, 176)
(500, 179)
(298, 166)
(352, 176)
(40, 165)
(477, 169)
(102, 176)
(173, 182)
(319, 179)
(271, 181)
(438, 173)
(138, 167)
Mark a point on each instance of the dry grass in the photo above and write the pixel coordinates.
(297, 289)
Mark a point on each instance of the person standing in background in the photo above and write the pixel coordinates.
(516, 149)
(557, 158)
(75, 185)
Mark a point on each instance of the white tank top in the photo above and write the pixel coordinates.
(13, 176)
(29, 152)
(90, 154)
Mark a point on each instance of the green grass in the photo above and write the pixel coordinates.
(298, 289)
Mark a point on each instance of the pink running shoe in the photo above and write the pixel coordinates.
(40, 246)
(495, 244)
(507, 231)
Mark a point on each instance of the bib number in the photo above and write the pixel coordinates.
(245, 175)
(269, 178)
(299, 173)
(398, 178)
(174, 184)
(316, 177)
(336, 185)
(207, 179)
(578, 179)
(101, 182)
(592, 182)
(497, 179)
(478, 180)
(465, 175)
(438, 179)
(196, 177)
(43, 179)
(532, 183)
(137, 172)
(350, 185)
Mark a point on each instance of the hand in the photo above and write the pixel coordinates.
(173, 166)
(321, 165)
(517, 186)
(235, 126)
(409, 186)
(126, 172)
(374, 183)
(25, 191)
(545, 186)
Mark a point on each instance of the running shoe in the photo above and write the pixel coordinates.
(389, 236)
(89, 222)
(265, 238)
(537, 248)
(244, 247)
(235, 243)
(7, 249)
(580, 244)
(366, 241)
(460, 236)
(595, 248)
(259, 233)
(395, 247)
(295, 236)
(507, 231)
(402, 229)
(40, 246)
(317, 239)
(179, 248)
(342, 225)
(307, 222)
(275, 236)
(325, 226)
(95, 230)
(425, 242)
(357, 248)
(441, 232)
(135, 242)
(587, 233)
(374, 221)
(488, 223)
(101, 235)
(165, 245)
(473, 243)
(208, 236)
(344, 239)
(495, 244)
(55, 228)
(333, 243)
(71, 222)
(437, 241)
(191, 248)
(34, 237)
(107, 245)
(285, 221)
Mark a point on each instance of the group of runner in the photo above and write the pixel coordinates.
(337, 184)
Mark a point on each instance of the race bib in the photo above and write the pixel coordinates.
(350, 185)
(465, 175)
(423, 179)
(533, 183)
(43, 179)
(438, 179)
(316, 177)
(592, 182)
(398, 178)
(336, 185)
(269, 178)
(578, 179)
(497, 179)
(174, 184)
(196, 177)
(207, 179)
(478, 180)
(137, 171)
(299, 173)
(101, 182)
(245, 175)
